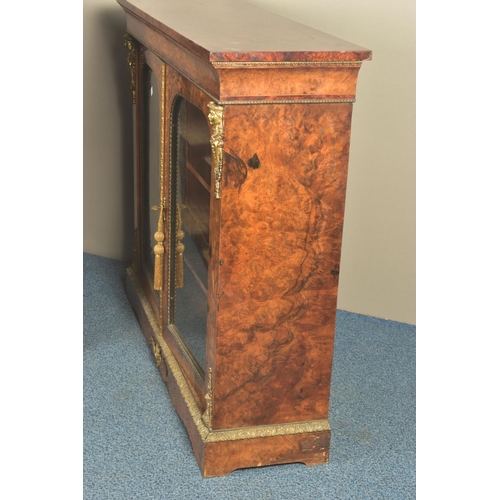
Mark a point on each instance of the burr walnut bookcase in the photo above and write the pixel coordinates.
(242, 124)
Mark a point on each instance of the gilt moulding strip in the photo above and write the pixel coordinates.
(294, 101)
(253, 64)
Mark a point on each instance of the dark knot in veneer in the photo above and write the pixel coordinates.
(254, 161)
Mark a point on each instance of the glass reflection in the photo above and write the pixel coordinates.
(154, 163)
(190, 246)
(150, 130)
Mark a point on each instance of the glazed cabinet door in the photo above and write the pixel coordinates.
(151, 208)
(191, 229)
(191, 168)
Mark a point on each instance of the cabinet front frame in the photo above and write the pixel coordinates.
(173, 86)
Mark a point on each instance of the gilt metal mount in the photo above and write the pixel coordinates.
(130, 44)
(216, 119)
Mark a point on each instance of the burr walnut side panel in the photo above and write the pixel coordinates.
(282, 209)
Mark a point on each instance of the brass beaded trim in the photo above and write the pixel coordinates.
(298, 101)
(208, 435)
(162, 179)
(170, 309)
(235, 64)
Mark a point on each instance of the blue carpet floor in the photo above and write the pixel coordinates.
(136, 447)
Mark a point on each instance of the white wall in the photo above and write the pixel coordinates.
(378, 255)
(107, 133)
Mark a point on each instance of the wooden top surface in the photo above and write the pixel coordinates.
(233, 30)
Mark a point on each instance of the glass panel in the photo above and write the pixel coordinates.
(154, 163)
(192, 161)
(150, 130)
